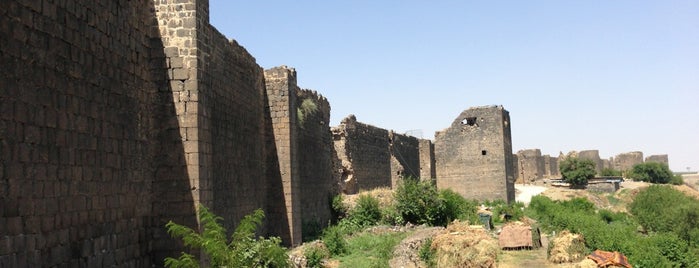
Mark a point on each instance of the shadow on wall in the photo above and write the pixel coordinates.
(172, 187)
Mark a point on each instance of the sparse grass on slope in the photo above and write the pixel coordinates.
(370, 250)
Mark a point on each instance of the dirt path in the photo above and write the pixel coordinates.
(526, 192)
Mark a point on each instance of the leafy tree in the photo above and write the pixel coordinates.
(243, 250)
(651, 172)
(577, 171)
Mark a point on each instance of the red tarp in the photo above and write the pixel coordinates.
(606, 258)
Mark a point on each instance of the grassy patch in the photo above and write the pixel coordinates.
(370, 250)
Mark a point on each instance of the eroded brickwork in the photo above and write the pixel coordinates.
(661, 158)
(364, 153)
(592, 155)
(626, 161)
(474, 155)
(315, 156)
(300, 122)
(405, 157)
(77, 118)
(427, 166)
(551, 167)
(530, 166)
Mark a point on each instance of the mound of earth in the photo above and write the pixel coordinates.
(406, 254)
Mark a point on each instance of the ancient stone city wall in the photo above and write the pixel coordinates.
(427, 166)
(530, 165)
(369, 157)
(661, 158)
(626, 161)
(77, 122)
(474, 155)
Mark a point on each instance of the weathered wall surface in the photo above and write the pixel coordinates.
(530, 165)
(405, 157)
(661, 158)
(364, 151)
(427, 166)
(315, 155)
(280, 82)
(626, 161)
(551, 167)
(77, 114)
(300, 121)
(474, 155)
(592, 155)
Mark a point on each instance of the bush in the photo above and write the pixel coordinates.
(651, 172)
(457, 207)
(504, 212)
(315, 256)
(339, 209)
(334, 240)
(242, 251)
(577, 171)
(664, 209)
(427, 254)
(366, 212)
(418, 202)
(610, 172)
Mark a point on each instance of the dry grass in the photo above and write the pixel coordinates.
(383, 194)
(566, 247)
(462, 245)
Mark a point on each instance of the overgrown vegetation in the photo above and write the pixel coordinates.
(504, 212)
(668, 217)
(243, 249)
(577, 171)
(370, 250)
(427, 254)
(610, 172)
(654, 172)
(306, 109)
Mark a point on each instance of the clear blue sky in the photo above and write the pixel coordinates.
(616, 76)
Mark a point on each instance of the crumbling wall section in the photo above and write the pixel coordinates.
(76, 122)
(364, 154)
(474, 155)
(405, 157)
(531, 166)
(626, 161)
(661, 158)
(427, 166)
(551, 167)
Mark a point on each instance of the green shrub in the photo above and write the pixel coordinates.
(676, 180)
(427, 254)
(334, 240)
(339, 209)
(610, 172)
(664, 209)
(577, 171)
(458, 207)
(651, 172)
(370, 250)
(366, 212)
(419, 202)
(504, 212)
(315, 256)
(243, 250)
